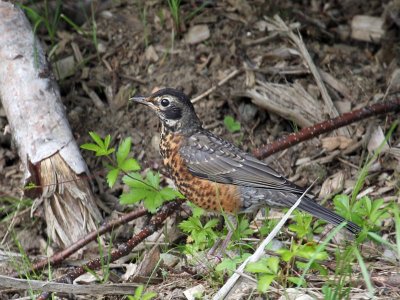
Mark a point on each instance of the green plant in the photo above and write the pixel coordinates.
(10, 206)
(201, 235)
(140, 295)
(145, 188)
(229, 265)
(49, 20)
(174, 7)
(395, 209)
(93, 30)
(142, 8)
(105, 264)
(365, 169)
(232, 125)
(304, 226)
(197, 10)
(267, 270)
(307, 251)
(242, 229)
(369, 213)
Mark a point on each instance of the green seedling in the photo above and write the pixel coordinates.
(140, 294)
(202, 236)
(145, 188)
(232, 125)
(174, 7)
(267, 270)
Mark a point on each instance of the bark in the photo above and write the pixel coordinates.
(49, 154)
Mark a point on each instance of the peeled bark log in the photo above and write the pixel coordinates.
(48, 152)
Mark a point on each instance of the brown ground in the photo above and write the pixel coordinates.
(138, 54)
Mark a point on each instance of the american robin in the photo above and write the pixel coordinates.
(215, 174)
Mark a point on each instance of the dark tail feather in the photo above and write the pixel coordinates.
(323, 213)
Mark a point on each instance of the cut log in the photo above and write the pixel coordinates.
(49, 154)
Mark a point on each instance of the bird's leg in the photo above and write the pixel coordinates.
(221, 245)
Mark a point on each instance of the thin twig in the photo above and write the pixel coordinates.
(298, 41)
(327, 126)
(220, 83)
(155, 223)
(60, 256)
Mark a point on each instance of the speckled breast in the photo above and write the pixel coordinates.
(209, 195)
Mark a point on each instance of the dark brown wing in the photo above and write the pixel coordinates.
(210, 157)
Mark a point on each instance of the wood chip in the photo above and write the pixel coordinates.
(376, 139)
(64, 67)
(334, 142)
(367, 28)
(332, 185)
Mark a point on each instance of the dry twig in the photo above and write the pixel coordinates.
(327, 126)
(220, 83)
(123, 249)
(60, 256)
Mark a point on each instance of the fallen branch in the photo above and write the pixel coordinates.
(155, 223)
(104, 289)
(327, 126)
(60, 256)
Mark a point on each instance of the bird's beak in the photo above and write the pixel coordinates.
(139, 99)
(148, 101)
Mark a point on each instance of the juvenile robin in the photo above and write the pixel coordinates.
(216, 175)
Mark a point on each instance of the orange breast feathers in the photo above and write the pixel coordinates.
(207, 194)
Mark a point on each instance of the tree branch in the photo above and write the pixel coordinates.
(155, 223)
(327, 126)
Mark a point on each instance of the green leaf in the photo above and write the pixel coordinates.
(197, 211)
(310, 250)
(91, 147)
(285, 254)
(226, 264)
(135, 180)
(149, 296)
(32, 14)
(232, 125)
(190, 225)
(257, 267)
(139, 291)
(153, 179)
(297, 280)
(133, 196)
(112, 176)
(95, 137)
(123, 151)
(153, 203)
(211, 224)
(129, 165)
(264, 282)
(365, 273)
(168, 193)
(273, 264)
(107, 141)
(199, 236)
(342, 205)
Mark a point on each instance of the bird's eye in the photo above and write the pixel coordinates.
(164, 102)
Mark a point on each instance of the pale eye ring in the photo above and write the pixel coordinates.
(164, 102)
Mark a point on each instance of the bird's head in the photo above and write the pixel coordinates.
(174, 109)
